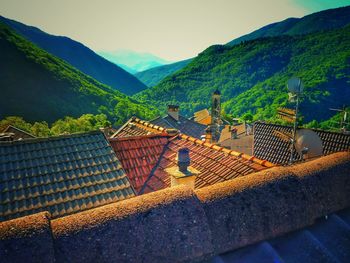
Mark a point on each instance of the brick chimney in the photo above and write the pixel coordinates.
(183, 173)
(173, 111)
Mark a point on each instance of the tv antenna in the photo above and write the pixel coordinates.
(343, 119)
(295, 87)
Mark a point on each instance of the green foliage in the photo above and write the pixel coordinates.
(252, 76)
(18, 122)
(40, 86)
(67, 125)
(153, 76)
(247, 117)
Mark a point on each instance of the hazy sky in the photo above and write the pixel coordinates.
(173, 30)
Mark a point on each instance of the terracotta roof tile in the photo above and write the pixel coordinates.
(59, 174)
(139, 155)
(159, 151)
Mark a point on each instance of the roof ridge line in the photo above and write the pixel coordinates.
(225, 150)
(8, 126)
(52, 138)
(149, 124)
(127, 138)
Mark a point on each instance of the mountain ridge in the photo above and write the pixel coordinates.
(330, 19)
(323, 20)
(79, 56)
(41, 87)
(252, 76)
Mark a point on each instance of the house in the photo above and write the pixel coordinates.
(61, 175)
(146, 159)
(174, 120)
(283, 214)
(268, 146)
(237, 137)
(14, 134)
(202, 117)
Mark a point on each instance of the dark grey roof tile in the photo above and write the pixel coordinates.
(58, 174)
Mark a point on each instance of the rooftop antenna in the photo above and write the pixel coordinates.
(344, 117)
(295, 87)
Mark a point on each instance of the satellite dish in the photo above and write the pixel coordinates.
(295, 86)
(308, 144)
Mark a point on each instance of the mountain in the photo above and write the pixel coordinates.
(252, 76)
(324, 20)
(153, 76)
(80, 57)
(133, 61)
(39, 86)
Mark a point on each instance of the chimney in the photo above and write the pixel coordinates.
(233, 133)
(173, 111)
(183, 173)
(208, 135)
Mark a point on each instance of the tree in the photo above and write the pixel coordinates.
(40, 129)
(247, 117)
(15, 121)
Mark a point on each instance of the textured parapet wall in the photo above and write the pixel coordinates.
(164, 226)
(27, 239)
(181, 225)
(276, 201)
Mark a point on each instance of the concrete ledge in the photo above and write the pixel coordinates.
(181, 225)
(27, 239)
(164, 226)
(266, 204)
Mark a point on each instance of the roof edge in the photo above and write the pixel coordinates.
(227, 151)
(52, 138)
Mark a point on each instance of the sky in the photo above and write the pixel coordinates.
(173, 30)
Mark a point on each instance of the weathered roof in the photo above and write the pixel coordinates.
(18, 133)
(145, 159)
(139, 155)
(269, 147)
(62, 175)
(184, 125)
(328, 240)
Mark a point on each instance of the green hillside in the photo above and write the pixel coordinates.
(252, 76)
(80, 57)
(320, 21)
(153, 76)
(39, 86)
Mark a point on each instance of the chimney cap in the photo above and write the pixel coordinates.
(183, 159)
(217, 92)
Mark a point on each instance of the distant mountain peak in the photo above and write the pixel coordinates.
(133, 61)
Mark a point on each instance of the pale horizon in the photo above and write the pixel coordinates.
(171, 30)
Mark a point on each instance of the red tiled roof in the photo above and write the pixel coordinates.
(139, 155)
(145, 158)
